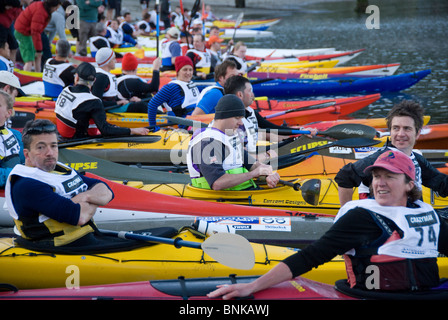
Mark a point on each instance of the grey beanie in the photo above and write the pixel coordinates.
(229, 106)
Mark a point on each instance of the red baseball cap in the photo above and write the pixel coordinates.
(394, 161)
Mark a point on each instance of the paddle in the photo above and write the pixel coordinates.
(310, 190)
(194, 10)
(238, 21)
(231, 250)
(157, 27)
(339, 131)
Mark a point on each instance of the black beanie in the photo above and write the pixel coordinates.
(229, 106)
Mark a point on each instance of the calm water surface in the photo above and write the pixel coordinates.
(412, 32)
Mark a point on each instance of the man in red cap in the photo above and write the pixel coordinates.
(131, 86)
(180, 96)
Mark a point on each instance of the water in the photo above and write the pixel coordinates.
(412, 32)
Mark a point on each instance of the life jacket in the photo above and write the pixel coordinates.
(51, 77)
(191, 98)
(66, 183)
(9, 149)
(93, 44)
(147, 26)
(209, 88)
(8, 64)
(112, 91)
(410, 235)
(241, 64)
(64, 106)
(116, 37)
(250, 129)
(124, 77)
(204, 62)
(232, 164)
(166, 53)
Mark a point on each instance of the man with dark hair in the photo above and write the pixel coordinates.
(405, 121)
(210, 96)
(216, 158)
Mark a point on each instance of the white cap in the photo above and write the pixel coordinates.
(9, 78)
(173, 32)
(103, 56)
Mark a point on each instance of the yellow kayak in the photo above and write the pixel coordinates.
(28, 269)
(279, 66)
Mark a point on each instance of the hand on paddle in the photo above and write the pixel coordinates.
(272, 178)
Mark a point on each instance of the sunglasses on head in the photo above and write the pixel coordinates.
(48, 128)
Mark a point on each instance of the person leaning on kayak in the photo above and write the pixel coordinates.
(396, 235)
(130, 85)
(216, 158)
(11, 150)
(405, 122)
(179, 97)
(80, 114)
(210, 96)
(105, 85)
(52, 205)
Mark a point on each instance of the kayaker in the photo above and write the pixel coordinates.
(214, 44)
(99, 40)
(391, 243)
(170, 49)
(131, 86)
(79, 113)
(405, 122)
(238, 54)
(201, 58)
(57, 73)
(179, 97)
(253, 121)
(117, 37)
(105, 85)
(210, 96)
(216, 158)
(5, 57)
(11, 148)
(10, 84)
(52, 205)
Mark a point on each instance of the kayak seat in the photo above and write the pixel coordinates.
(186, 288)
(95, 243)
(439, 293)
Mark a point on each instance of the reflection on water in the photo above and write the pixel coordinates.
(412, 32)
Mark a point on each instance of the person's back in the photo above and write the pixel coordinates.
(57, 72)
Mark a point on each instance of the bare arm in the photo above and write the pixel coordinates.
(279, 273)
(345, 195)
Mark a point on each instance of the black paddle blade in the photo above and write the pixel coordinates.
(350, 130)
(311, 191)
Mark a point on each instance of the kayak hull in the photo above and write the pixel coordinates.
(300, 88)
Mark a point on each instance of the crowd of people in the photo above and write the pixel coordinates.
(390, 180)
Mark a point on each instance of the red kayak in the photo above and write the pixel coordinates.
(277, 105)
(197, 289)
(302, 115)
(178, 289)
(145, 60)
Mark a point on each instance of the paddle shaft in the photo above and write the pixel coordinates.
(178, 242)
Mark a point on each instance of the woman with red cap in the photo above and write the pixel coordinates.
(131, 86)
(391, 243)
(180, 96)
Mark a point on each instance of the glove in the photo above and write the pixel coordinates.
(155, 129)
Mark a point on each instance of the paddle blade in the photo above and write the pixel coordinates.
(139, 54)
(231, 250)
(311, 191)
(350, 130)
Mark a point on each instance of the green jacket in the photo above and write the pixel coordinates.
(89, 12)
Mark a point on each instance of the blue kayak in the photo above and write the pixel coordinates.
(288, 88)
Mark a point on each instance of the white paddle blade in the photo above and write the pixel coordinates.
(231, 250)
